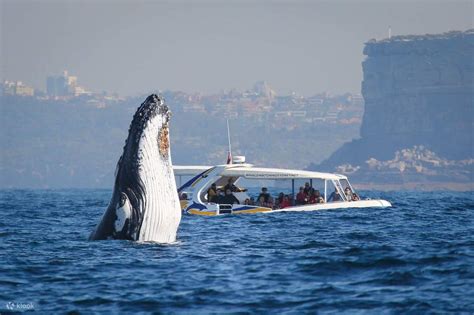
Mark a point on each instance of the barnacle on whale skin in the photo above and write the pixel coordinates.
(163, 141)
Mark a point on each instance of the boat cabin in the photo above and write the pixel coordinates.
(195, 200)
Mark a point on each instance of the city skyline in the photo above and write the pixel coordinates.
(65, 84)
(134, 48)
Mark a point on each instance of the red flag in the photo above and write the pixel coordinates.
(229, 158)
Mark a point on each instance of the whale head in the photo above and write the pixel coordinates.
(145, 203)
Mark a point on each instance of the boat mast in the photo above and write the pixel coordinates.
(229, 155)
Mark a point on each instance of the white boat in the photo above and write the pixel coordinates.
(194, 199)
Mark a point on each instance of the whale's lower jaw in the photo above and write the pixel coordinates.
(162, 214)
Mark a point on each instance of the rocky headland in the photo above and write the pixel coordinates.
(417, 126)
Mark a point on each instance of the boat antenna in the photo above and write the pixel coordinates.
(229, 155)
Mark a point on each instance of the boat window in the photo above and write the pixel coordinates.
(303, 191)
(184, 195)
(220, 183)
(203, 195)
(182, 179)
(334, 191)
(318, 184)
(349, 191)
(345, 183)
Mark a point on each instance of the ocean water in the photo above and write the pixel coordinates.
(416, 257)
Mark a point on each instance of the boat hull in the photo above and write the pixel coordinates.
(213, 209)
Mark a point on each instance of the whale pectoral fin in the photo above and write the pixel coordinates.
(122, 213)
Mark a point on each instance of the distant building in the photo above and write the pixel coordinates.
(298, 113)
(8, 88)
(315, 101)
(16, 88)
(262, 89)
(291, 113)
(63, 85)
(57, 85)
(79, 90)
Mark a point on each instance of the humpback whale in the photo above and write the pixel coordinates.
(144, 204)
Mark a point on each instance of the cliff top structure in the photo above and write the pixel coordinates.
(410, 38)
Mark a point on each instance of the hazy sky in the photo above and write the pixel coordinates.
(132, 47)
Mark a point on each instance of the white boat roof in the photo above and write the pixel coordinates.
(250, 172)
(189, 170)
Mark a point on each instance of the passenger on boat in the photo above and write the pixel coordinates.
(311, 198)
(334, 196)
(230, 185)
(355, 197)
(218, 197)
(252, 201)
(285, 203)
(279, 200)
(262, 203)
(271, 202)
(318, 197)
(211, 192)
(307, 188)
(300, 197)
(229, 198)
(292, 199)
(348, 193)
(264, 194)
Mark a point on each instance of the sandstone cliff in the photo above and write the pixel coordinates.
(418, 90)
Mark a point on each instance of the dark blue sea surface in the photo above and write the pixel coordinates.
(416, 257)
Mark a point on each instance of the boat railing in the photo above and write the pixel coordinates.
(224, 209)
